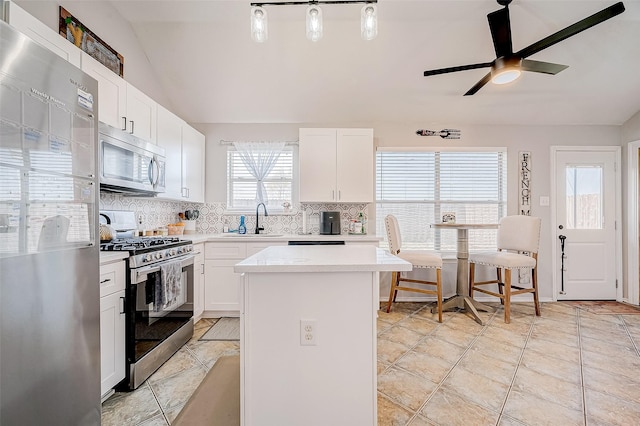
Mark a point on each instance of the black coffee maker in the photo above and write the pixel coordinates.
(329, 223)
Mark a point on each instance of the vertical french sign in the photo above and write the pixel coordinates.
(524, 185)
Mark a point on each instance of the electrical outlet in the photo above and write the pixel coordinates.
(308, 332)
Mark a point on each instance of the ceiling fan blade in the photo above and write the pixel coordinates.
(500, 26)
(572, 30)
(543, 67)
(454, 69)
(479, 85)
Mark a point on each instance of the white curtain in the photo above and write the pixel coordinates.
(259, 158)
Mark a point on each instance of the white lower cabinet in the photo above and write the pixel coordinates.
(112, 325)
(198, 282)
(222, 284)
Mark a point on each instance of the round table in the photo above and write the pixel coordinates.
(462, 300)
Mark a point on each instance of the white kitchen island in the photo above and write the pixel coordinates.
(308, 334)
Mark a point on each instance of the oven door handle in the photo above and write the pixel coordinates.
(139, 275)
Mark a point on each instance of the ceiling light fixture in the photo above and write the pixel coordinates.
(259, 29)
(506, 70)
(368, 18)
(314, 23)
(369, 21)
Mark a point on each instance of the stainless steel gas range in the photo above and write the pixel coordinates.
(159, 302)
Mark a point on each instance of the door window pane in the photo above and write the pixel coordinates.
(584, 197)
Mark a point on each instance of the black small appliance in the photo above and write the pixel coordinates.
(329, 223)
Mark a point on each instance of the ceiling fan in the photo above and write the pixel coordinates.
(508, 64)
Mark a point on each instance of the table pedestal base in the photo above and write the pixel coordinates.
(466, 304)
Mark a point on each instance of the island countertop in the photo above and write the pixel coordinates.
(347, 258)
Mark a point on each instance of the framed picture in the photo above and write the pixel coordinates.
(74, 31)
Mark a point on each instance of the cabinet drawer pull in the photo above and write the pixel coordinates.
(122, 311)
(105, 280)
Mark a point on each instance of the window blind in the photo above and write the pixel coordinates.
(241, 185)
(418, 186)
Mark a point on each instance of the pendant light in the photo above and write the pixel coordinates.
(314, 22)
(368, 18)
(259, 27)
(369, 21)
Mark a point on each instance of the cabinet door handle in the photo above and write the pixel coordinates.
(339, 195)
(131, 121)
(202, 264)
(124, 123)
(123, 302)
(333, 194)
(105, 281)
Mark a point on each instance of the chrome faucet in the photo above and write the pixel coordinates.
(258, 228)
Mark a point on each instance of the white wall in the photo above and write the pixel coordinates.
(630, 133)
(537, 139)
(105, 22)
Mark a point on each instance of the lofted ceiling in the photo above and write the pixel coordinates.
(213, 72)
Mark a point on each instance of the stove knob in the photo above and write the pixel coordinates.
(160, 255)
(179, 250)
(157, 256)
(148, 258)
(172, 252)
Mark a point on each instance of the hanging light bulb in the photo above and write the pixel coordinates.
(259, 24)
(314, 23)
(369, 22)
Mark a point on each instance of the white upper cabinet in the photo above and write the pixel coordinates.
(142, 113)
(169, 137)
(112, 92)
(336, 165)
(41, 33)
(193, 152)
(185, 155)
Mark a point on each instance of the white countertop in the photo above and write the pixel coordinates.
(112, 256)
(347, 258)
(230, 237)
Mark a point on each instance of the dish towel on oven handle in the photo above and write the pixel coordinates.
(168, 287)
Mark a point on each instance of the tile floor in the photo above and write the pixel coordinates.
(567, 367)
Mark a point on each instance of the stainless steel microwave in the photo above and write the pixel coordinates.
(130, 165)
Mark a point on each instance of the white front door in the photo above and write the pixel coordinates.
(585, 214)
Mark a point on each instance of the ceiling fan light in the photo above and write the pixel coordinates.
(369, 22)
(505, 76)
(505, 70)
(314, 23)
(259, 26)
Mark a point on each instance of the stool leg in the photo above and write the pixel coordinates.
(500, 283)
(472, 273)
(439, 288)
(392, 291)
(534, 282)
(507, 296)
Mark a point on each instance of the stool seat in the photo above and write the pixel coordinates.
(421, 258)
(503, 259)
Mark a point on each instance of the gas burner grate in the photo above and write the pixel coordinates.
(124, 244)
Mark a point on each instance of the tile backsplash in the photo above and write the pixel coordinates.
(156, 213)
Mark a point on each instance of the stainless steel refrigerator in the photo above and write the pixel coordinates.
(49, 259)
